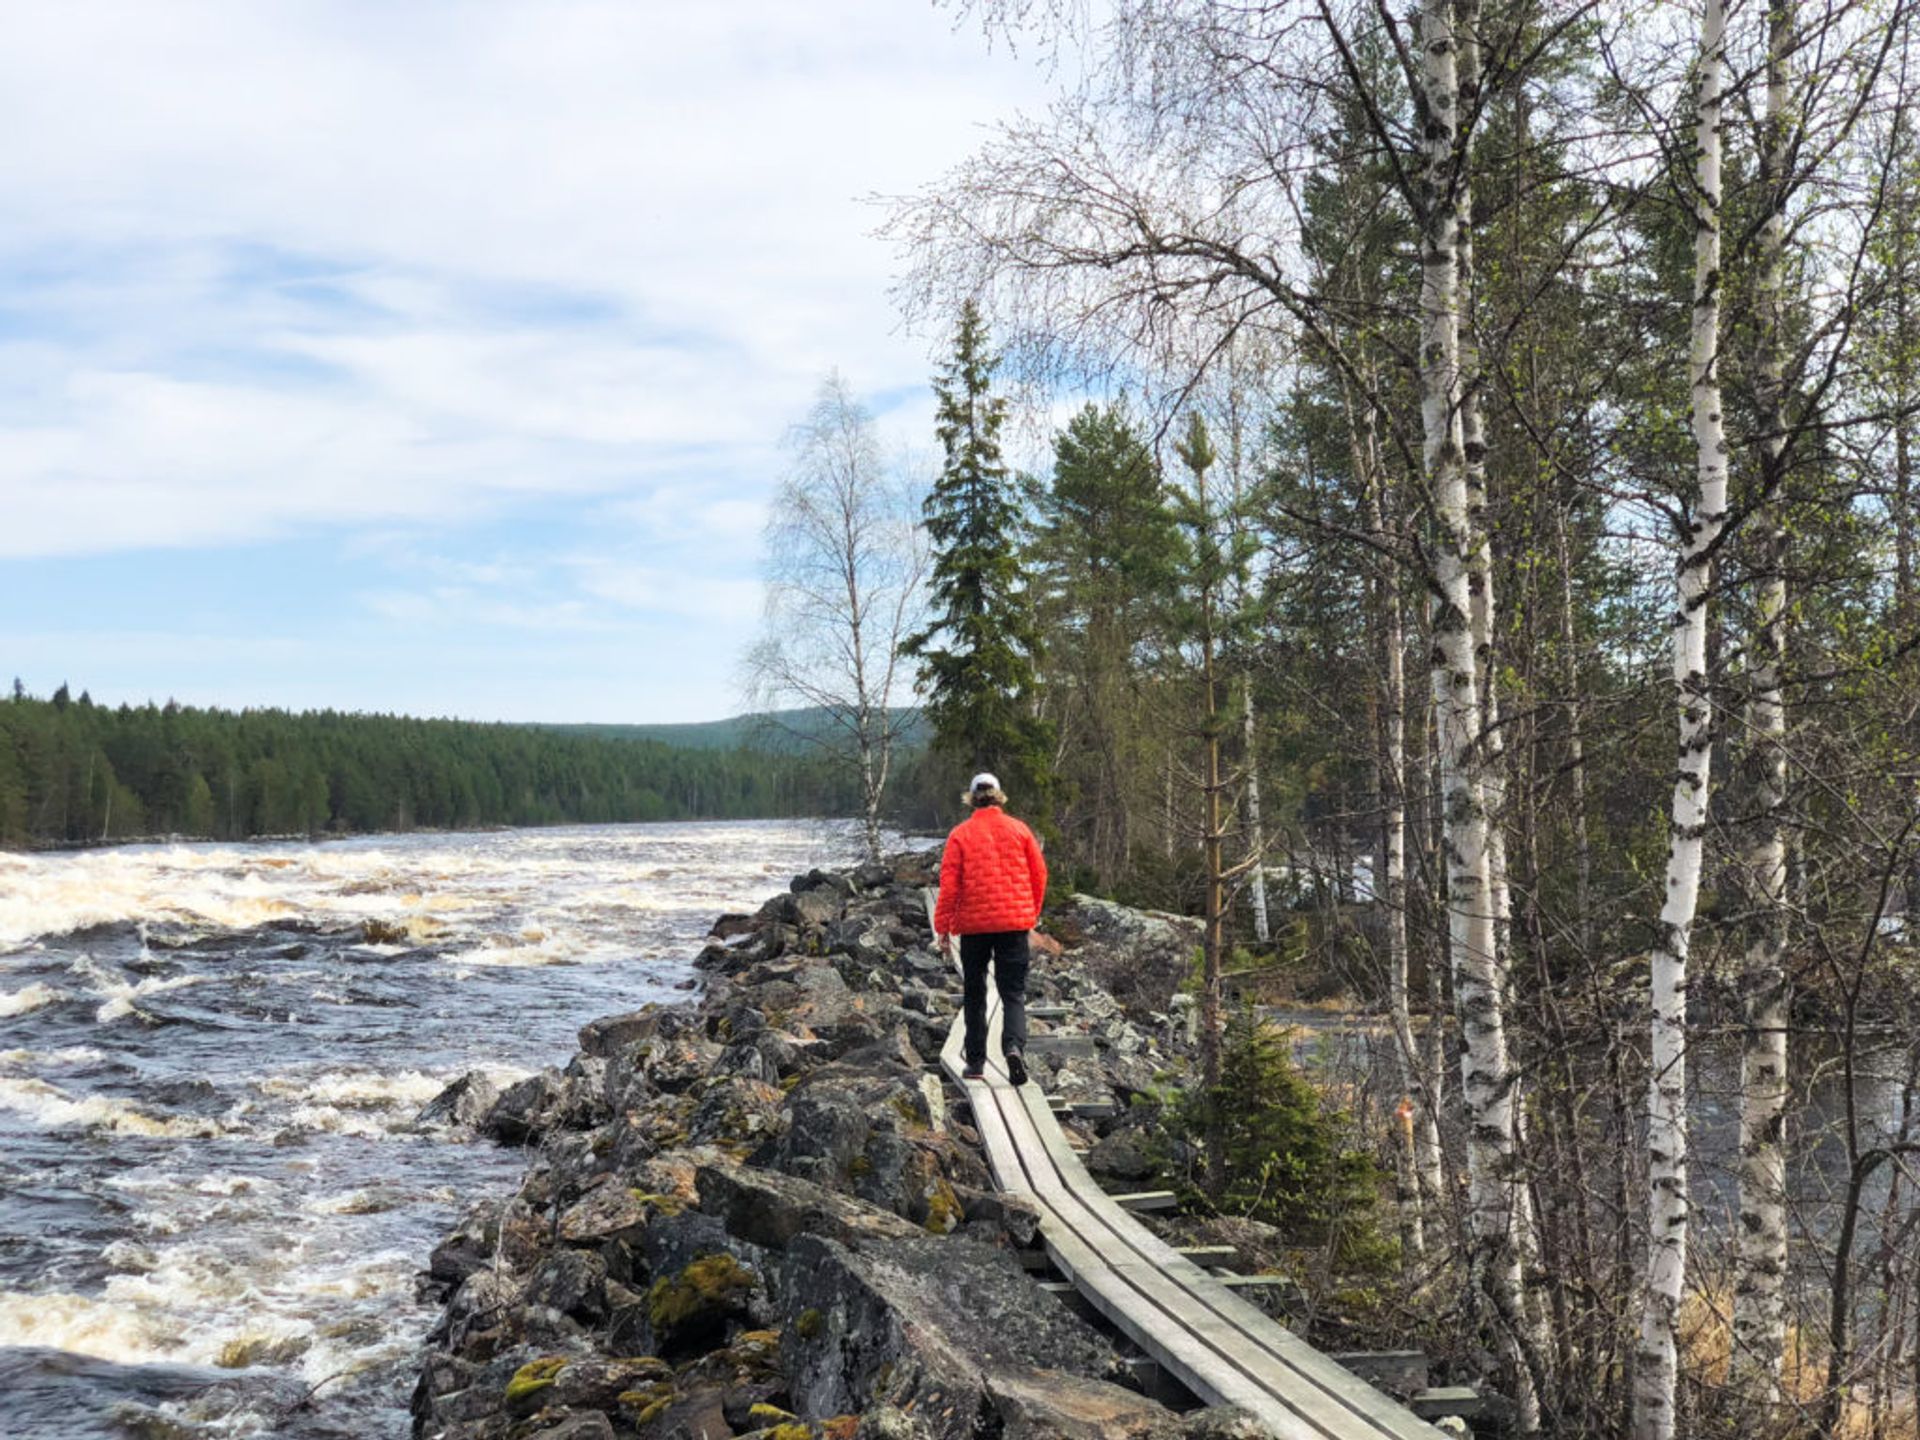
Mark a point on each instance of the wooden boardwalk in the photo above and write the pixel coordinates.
(1221, 1348)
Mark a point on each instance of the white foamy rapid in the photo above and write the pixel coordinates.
(28, 997)
(212, 1061)
(47, 1105)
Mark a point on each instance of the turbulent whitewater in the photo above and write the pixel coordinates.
(214, 1195)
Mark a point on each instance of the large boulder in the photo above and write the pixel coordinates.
(1123, 1155)
(611, 1034)
(805, 909)
(1140, 957)
(572, 1282)
(1037, 1405)
(611, 1221)
(734, 1110)
(527, 1109)
(771, 1210)
(674, 1062)
(924, 1326)
(465, 1102)
(693, 1306)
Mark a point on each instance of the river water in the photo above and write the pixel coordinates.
(214, 1196)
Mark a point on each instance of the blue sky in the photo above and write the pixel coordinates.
(434, 357)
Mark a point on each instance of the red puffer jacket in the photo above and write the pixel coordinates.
(992, 878)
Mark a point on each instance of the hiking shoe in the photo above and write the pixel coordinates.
(1017, 1067)
(975, 1070)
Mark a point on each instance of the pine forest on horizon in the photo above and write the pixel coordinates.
(74, 772)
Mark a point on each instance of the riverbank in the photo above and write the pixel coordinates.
(213, 1061)
(755, 1214)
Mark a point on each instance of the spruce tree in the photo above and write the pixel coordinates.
(1107, 561)
(977, 653)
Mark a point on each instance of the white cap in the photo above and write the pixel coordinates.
(985, 780)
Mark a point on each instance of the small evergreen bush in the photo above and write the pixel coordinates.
(1288, 1160)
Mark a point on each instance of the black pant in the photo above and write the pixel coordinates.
(1007, 950)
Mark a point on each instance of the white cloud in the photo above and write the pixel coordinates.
(296, 264)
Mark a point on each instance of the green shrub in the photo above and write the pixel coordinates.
(1288, 1157)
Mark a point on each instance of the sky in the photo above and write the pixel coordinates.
(434, 358)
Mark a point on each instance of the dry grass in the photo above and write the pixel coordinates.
(1706, 1349)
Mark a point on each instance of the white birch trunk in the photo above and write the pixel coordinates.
(1256, 834)
(1480, 581)
(1759, 1306)
(1669, 1203)
(1473, 440)
(1486, 1077)
(1419, 1115)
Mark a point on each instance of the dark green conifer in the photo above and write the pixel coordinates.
(977, 653)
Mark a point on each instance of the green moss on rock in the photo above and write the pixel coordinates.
(700, 1297)
(658, 1204)
(944, 1210)
(648, 1402)
(533, 1377)
(809, 1324)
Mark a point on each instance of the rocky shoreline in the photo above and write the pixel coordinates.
(755, 1214)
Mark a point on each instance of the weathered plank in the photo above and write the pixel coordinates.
(1148, 1200)
(1215, 1255)
(1222, 1349)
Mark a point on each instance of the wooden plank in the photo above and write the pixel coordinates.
(1209, 1254)
(1141, 1201)
(1223, 1349)
(1399, 1372)
(1160, 1312)
(1447, 1400)
(1308, 1366)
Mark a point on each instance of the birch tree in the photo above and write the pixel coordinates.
(844, 570)
(1670, 1205)
(1759, 1317)
(1424, 1182)
(1487, 1080)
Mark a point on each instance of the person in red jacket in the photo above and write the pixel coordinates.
(993, 881)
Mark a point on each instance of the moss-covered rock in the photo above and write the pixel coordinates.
(944, 1210)
(523, 1392)
(646, 1403)
(695, 1305)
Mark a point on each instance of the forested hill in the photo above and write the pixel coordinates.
(791, 731)
(72, 771)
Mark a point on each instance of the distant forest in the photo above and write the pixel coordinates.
(783, 732)
(72, 771)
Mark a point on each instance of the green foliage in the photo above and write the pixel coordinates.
(1107, 559)
(1288, 1157)
(977, 653)
(85, 772)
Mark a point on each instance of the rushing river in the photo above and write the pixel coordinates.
(214, 1197)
